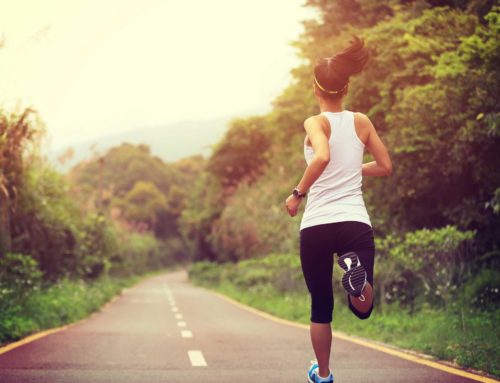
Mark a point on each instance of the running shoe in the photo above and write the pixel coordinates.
(354, 279)
(313, 376)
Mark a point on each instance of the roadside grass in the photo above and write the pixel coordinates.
(61, 303)
(472, 341)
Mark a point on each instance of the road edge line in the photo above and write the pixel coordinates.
(370, 344)
(30, 338)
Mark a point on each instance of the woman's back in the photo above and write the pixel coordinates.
(336, 195)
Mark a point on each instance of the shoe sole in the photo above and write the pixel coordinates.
(344, 259)
(310, 381)
(354, 279)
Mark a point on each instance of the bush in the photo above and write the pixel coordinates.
(138, 253)
(56, 304)
(206, 273)
(482, 291)
(98, 243)
(432, 263)
(19, 277)
(282, 272)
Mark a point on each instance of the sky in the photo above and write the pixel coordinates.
(94, 67)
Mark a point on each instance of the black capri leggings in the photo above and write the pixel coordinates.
(317, 246)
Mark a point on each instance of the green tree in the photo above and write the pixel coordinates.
(241, 155)
(143, 203)
(17, 131)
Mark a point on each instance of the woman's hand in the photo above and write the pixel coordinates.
(292, 204)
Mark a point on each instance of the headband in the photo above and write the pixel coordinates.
(330, 91)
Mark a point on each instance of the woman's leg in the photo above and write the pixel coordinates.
(364, 303)
(316, 257)
(321, 339)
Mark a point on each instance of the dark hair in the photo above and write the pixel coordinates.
(332, 73)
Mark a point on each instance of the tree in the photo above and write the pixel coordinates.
(16, 132)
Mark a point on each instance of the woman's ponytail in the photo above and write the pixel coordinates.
(332, 73)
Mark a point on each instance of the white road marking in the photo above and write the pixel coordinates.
(175, 309)
(181, 324)
(196, 358)
(186, 334)
(178, 316)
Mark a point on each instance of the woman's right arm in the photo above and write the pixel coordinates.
(382, 166)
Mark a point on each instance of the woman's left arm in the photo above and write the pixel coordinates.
(314, 127)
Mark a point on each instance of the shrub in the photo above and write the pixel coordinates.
(19, 276)
(483, 291)
(427, 264)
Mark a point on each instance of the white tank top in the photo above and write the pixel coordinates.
(336, 195)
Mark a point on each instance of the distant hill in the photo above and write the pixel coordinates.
(170, 141)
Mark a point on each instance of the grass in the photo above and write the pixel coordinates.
(472, 341)
(58, 304)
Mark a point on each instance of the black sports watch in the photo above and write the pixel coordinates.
(298, 194)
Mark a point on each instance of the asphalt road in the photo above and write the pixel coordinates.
(166, 330)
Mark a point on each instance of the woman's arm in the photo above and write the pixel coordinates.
(382, 166)
(315, 129)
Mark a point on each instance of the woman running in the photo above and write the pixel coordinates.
(335, 218)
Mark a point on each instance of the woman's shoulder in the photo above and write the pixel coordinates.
(317, 119)
(314, 118)
(362, 125)
(361, 119)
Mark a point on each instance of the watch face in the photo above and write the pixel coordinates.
(295, 192)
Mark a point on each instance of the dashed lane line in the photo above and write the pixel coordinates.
(196, 358)
(186, 334)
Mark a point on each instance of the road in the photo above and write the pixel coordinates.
(166, 330)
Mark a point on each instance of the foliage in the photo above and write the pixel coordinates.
(138, 253)
(241, 155)
(143, 203)
(482, 291)
(98, 244)
(17, 131)
(62, 238)
(118, 170)
(19, 276)
(253, 221)
(282, 271)
(202, 207)
(136, 188)
(437, 259)
(47, 223)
